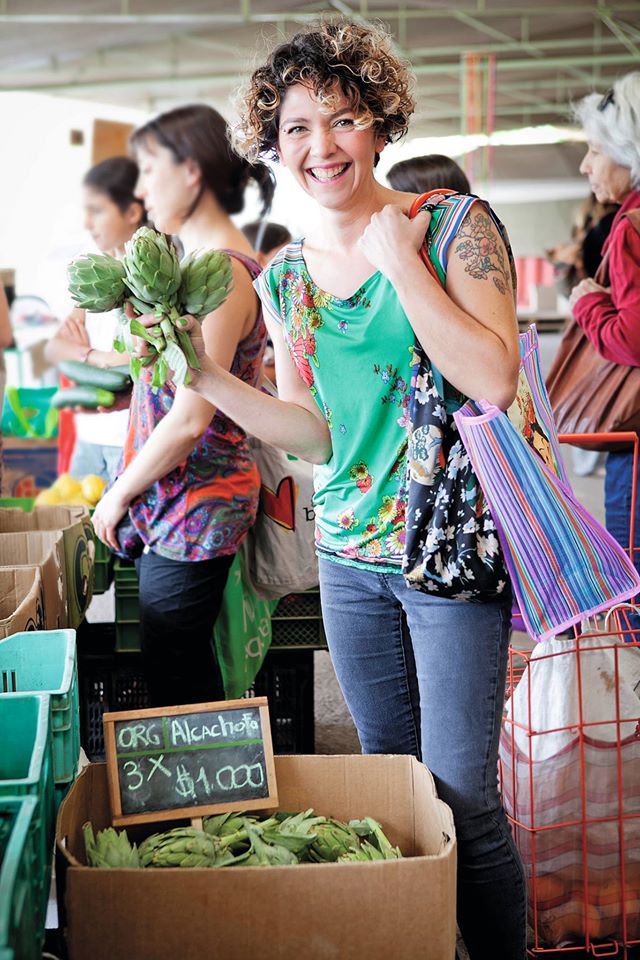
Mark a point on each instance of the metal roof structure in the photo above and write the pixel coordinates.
(155, 54)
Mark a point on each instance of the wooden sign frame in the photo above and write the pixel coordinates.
(195, 810)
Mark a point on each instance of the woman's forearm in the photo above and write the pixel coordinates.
(283, 424)
(167, 447)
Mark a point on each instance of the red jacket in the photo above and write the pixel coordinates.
(611, 320)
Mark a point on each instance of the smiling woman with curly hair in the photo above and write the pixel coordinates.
(373, 79)
(423, 671)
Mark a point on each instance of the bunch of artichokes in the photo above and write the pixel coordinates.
(152, 280)
(242, 840)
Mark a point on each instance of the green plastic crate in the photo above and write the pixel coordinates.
(45, 661)
(102, 568)
(127, 607)
(21, 923)
(26, 769)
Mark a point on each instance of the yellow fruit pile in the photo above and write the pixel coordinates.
(70, 492)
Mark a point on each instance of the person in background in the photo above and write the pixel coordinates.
(112, 215)
(610, 316)
(431, 172)
(344, 306)
(574, 261)
(266, 238)
(581, 257)
(6, 339)
(188, 490)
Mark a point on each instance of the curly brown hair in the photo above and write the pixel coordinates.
(360, 58)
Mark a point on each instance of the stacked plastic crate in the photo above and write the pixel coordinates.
(40, 737)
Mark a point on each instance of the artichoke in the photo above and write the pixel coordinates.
(111, 848)
(333, 839)
(267, 854)
(152, 269)
(206, 282)
(97, 282)
(371, 830)
(181, 847)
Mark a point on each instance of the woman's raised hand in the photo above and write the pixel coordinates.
(188, 324)
(391, 238)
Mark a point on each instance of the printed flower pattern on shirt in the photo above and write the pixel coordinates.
(399, 390)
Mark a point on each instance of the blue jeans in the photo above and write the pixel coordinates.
(423, 675)
(617, 506)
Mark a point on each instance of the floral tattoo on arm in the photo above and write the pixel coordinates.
(482, 251)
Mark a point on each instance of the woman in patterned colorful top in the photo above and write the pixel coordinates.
(422, 673)
(189, 487)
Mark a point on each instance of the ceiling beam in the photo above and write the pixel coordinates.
(246, 16)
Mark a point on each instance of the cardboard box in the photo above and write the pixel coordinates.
(21, 601)
(44, 550)
(29, 466)
(390, 910)
(79, 548)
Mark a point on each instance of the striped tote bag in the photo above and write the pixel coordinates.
(564, 566)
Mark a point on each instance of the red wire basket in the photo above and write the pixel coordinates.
(570, 777)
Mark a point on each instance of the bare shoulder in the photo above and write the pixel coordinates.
(481, 250)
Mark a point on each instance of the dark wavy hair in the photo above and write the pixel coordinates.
(198, 132)
(116, 177)
(358, 58)
(431, 172)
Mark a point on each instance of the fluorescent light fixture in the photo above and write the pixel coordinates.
(460, 144)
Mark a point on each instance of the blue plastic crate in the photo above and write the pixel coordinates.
(26, 769)
(45, 661)
(21, 921)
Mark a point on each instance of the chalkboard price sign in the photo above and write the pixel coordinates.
(173, 762)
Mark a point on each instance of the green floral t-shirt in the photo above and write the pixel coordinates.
(355, 357)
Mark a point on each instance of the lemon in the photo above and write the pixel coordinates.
(47, 498)
(92, 488)
(66, 487)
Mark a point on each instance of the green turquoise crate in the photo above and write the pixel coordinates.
(45, 661)
(26, 770)
(21, 922)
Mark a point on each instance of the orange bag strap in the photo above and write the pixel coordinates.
(430, 198)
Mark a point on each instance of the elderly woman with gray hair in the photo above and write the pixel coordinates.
(610, 316)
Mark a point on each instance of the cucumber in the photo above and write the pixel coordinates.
(86, 375)
(83, 396)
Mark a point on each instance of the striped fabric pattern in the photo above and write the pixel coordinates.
(563, 564)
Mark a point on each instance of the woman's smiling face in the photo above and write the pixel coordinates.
(327, 153)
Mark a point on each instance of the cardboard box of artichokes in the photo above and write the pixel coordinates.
(401, 909)
(60, 542)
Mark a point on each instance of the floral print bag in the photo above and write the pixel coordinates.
(452, 546)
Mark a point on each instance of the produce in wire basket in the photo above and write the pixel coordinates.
(152, 280)
(243, 840)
